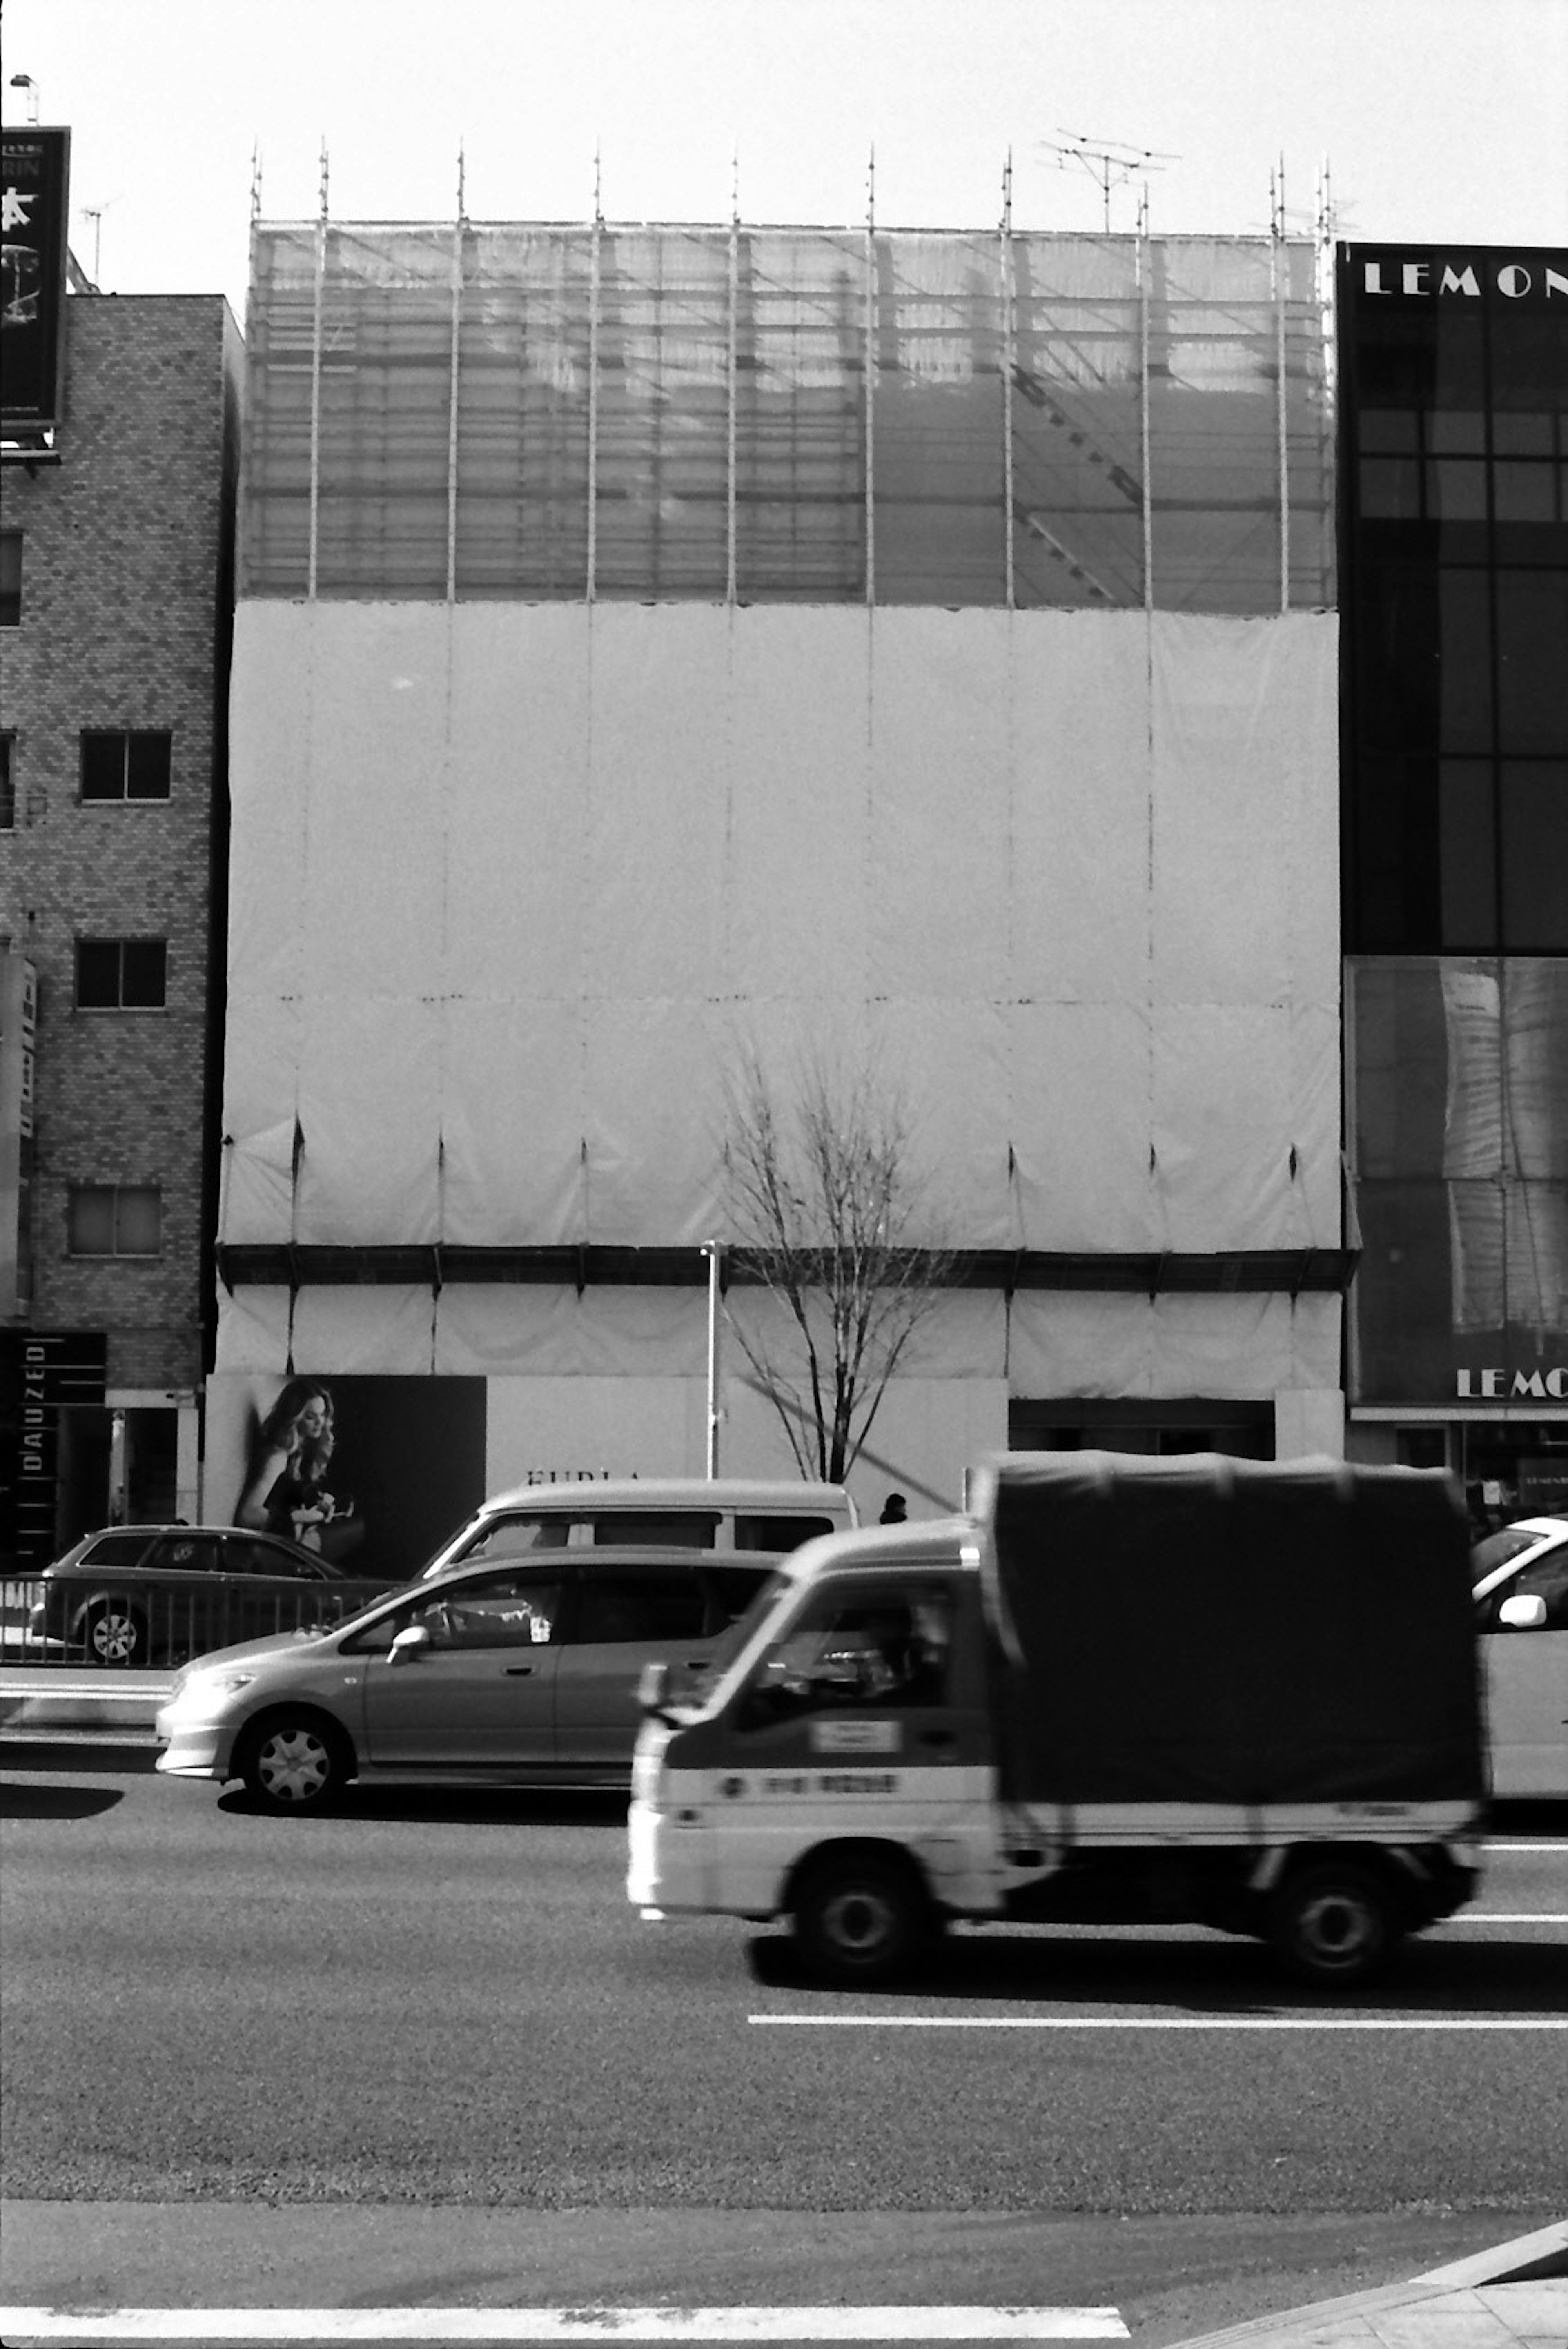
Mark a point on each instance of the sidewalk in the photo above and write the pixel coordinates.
(1515, 2297)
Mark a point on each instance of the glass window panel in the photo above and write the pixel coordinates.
(1532, 660)
(1523, 436)
(1525, 493)
(103, 766)
(1534, 813)
(98, 974)
(142, 980)
(1465, 660)
(147, 766)
(1392, 430)
(138, 1222)
(1456, 490)
(90, 1221)
(10, 579)
(1390, 489)
(1466, 820)
(1456, 431)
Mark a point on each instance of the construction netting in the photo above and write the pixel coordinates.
(787, 415)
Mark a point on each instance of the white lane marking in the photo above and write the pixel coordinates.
(1164, 2023)
(21, 2326)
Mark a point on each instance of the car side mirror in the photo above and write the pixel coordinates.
(410, 1644)
(1525, 1611)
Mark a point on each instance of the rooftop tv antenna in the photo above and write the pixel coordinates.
(1109, 162)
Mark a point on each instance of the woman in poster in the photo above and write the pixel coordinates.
(286, 1491)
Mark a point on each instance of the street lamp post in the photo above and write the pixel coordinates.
(714, 1252)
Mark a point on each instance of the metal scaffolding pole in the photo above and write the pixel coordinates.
(871, 381)
(730, 421)
(316, 332)
(452, 399)
(1009, 369)
(595, 266)
(1280, 271)
(1146, 498)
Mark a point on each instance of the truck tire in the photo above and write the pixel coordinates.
(861, 1917)
(1333, 1923)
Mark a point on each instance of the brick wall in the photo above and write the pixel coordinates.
(126, 615)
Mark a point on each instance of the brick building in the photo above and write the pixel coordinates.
(118, 534)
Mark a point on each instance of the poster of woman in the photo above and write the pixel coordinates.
(374, 1473)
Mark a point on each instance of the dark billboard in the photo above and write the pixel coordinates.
(35, 184)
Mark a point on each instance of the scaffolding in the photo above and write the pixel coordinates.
(739, 414)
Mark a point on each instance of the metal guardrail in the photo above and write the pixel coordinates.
(123, 1624)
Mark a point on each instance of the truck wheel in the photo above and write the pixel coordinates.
(861, 1917)
(1333, 1923)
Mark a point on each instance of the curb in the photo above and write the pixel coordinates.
(57, 1699)
(1541, 2257)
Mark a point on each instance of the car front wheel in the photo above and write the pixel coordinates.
(113, 1632)
(294, 1763)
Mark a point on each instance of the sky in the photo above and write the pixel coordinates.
(1440, 121)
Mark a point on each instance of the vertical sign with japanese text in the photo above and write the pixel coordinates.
(35, 181)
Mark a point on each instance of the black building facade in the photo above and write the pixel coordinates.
(1454, 575)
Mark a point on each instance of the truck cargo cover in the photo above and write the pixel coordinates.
(1205, 1629)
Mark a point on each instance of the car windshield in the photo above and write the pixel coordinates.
(730, 1643)
(361, 1614)
(1497, 1549)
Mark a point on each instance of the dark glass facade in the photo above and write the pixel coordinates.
(1454, 563)
(1454, 558)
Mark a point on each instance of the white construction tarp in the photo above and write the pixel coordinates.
(512, 888)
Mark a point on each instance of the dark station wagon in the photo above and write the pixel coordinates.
(159, 1594)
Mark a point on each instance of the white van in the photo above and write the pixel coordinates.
(720, 1513)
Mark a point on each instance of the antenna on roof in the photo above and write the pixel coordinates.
(255, 182)
(324, 175)
(1109, 162)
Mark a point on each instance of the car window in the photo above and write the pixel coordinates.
(662, 1604)
(1496, 1551)
(184, 1553)
(728, 1592)
(255, 1557)
(777, 1533)
(495, 1610)
(116, 1551)
(511, 1537)
(887, 1648)
(658, 1528)
(1544, 1578)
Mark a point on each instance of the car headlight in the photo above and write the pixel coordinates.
(225, 1683)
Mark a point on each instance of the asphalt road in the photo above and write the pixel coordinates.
(444, 2002)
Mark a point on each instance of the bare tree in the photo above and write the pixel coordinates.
(826, 1203)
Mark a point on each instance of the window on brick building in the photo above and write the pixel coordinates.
(122, 974)
(125, 766)
(10, 578)
(7, 782)
(115, 1219)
